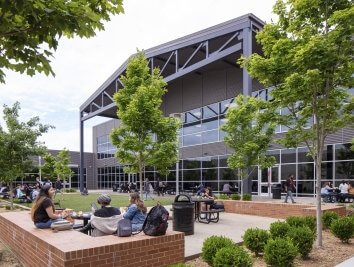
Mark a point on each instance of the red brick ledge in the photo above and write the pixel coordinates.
(277, 210)
(37, 247)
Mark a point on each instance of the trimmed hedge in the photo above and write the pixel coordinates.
(223, 196)
(299, 221)
(255, 239)
(343, 228)
(279, 229)
(212, 244)
(233, 256)
(235, 197)
(328, 217)
(280, 252)
(302, 238)
(247, 197)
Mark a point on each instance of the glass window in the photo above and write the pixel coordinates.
(327, 171)
(305, 187)
(191, 163)
(210, 136)
(224, 106)
(275, 154)
(344, 170)
(227, 174)
(223, 161)
(193, 139)
(254, 187)
(327, 153)
(213, 186)
(286, 170)
(288, 155)
(194, 127)
(193, 115)
(210, 174)
(211, 110)
(254, 173)
(344, 152)
(302, 155)
(210, 162)
(191, 175)
(306, 171)
(210, 124)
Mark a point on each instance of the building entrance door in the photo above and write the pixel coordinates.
(268, 177)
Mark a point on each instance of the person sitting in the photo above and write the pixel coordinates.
(136, 212)
(325, 193)
(228, 189)
(200, 189)
(104, 220)
(343, 187)
(84, 192)
(208, 193)
(43, 210)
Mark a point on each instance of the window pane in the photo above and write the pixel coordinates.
(210, 175)
(210, 136)
(193, 115)
(227, 174)
(191, 163)
(327, 171)
(194, 139)
(344, 152)
(286, 170)
(305, 187)
(288, 155)
(327, 153)
(211, 110)
(194, 127)
(210, 162)
(275, 154)
(226, 104)
(210, 124)
(306, 171)
(344, 170)
(302, 155)
(191, 175)
(222, 161)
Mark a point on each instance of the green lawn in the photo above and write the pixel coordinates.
(82, 203)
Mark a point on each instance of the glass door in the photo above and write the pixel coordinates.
(268, 177)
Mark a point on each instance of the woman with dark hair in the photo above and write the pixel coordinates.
(136, 212)
(43, 210)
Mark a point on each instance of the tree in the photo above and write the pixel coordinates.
(48, 168)
(249, 129)
(62, 168)
(30, 30)
(307, 57)
(18, 143)
(145, 137)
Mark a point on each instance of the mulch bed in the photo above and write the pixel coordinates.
(332, 253)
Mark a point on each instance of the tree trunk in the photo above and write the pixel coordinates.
(141, 183)
(241, 185)
(318, 170)
(11, 196)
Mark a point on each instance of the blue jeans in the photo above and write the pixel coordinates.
(289, 193)
(137, 227)
(45, 225)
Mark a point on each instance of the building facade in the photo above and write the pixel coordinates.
(203, 80)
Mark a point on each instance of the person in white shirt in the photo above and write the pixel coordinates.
(343, 187)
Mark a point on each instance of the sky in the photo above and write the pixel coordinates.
(82, 65)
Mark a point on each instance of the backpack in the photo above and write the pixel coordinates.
(155, 223)
(124, 228)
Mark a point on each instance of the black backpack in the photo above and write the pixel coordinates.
(156, 221)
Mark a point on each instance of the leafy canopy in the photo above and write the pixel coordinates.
(18, 143)
(145, 136)
(30, 29)
(249, 129)
(57, 166)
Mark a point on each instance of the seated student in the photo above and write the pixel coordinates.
(200, 189)
(228, 188)
(104, 220)
(43, 210)
(136, 212)
(325, 193)
(208, 193)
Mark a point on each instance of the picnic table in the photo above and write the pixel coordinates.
(86, 216)
(208, 214)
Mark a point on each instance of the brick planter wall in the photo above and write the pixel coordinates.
(36, 247)
(276, 210)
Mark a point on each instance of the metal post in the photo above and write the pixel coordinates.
(247, 51)
(40, 167)
(178, 116)
(81, 155)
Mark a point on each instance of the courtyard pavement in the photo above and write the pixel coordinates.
(230, 225)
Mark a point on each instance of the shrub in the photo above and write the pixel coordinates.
(343, 228)
(279, 229)
(8, 207)
(302, 238)
(235, 197)
(299, 221)
(179, 265)
(234, 256)
(223, 196)
(255, 239)
(212, 244)
(70, 190)
(280, 252)
(328, 217)
(247, 197)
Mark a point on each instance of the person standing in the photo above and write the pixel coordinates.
(289, 187)
(58, 188)
(147, 189)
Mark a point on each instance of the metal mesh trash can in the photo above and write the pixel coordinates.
(183, 214)
(276, 191)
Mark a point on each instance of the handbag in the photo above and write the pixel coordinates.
(124, 228)
(61, 226)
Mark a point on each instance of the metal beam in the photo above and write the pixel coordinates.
(204, 62)
(247, 51)
(227, 42)
(106, 94)
(82, 154)
(97, 112)
(191, 57)
(167, 62)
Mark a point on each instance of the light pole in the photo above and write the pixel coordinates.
(177, 116)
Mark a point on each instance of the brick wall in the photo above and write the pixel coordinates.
(37, 247)
(276, 210)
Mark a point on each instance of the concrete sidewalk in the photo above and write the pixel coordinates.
(347, 263)
(230, 225)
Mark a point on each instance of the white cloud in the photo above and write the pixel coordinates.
(82, 65)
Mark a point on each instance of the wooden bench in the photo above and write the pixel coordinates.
(211, 215)
(43, 247)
